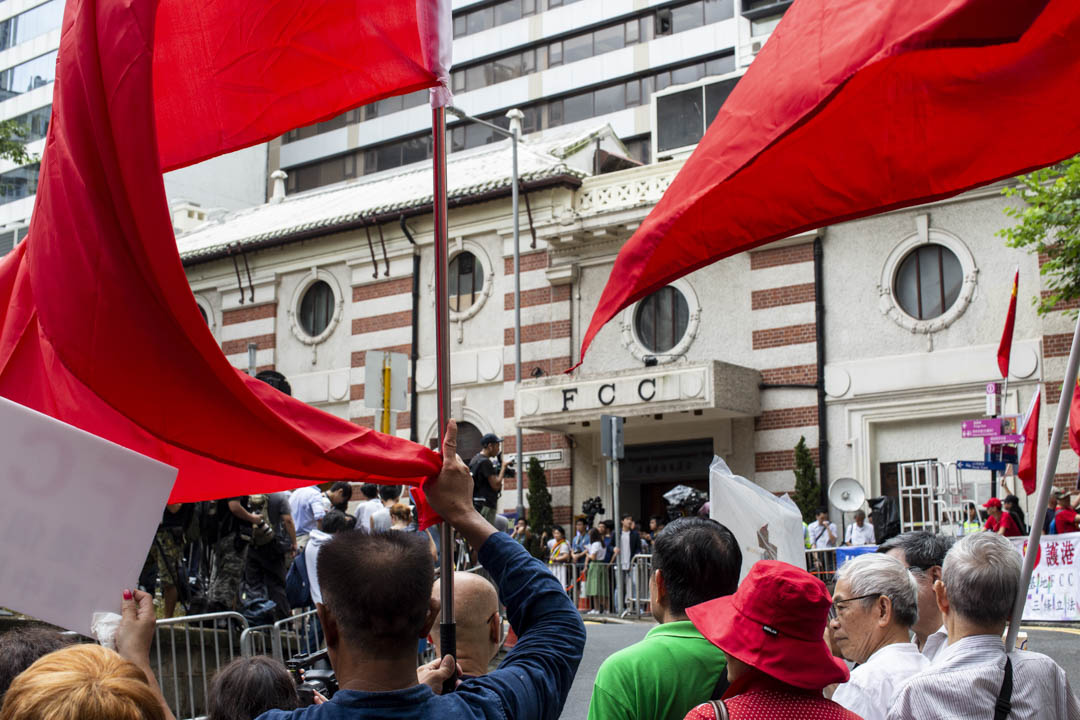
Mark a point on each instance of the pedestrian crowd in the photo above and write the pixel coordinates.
(913, 630)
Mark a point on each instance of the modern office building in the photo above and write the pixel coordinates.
(561, 62)
(29, 40)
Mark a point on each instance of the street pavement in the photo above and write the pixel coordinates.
(1060, 643)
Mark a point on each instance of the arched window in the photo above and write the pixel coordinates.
(317, 308)
(928, 281)
(468, 440)
(660, 320)
(466, 281)
(202, 312)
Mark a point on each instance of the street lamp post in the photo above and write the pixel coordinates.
(514, 133)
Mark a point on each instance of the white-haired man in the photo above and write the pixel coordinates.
(875, 604)
(973, 677)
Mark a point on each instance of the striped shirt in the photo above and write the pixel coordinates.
(964, 681)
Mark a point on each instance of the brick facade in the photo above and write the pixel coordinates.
(761, 259)
(777, 297)
(789, 335)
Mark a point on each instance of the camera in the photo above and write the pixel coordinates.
(591, 508)
(312, 673)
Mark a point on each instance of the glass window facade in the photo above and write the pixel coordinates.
(28, 76)
(683, 117)
(30, 24)
(19, 183)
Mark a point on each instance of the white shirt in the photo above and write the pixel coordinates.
(595, 549)
(870, 690)
(935, 643)
(307, 506)
(380, 519)
(964, 681)
(364, 511)
(860, 535)
(819, 536)
(316, 539)
(624, 550)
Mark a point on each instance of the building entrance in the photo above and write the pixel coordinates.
(648, 471)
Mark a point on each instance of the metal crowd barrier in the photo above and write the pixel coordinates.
(186, 653)
(297, 635)
(641, 571)
(821, 563)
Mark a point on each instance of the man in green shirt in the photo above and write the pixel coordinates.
(674, 668)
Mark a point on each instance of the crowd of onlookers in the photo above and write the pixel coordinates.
(913, 630)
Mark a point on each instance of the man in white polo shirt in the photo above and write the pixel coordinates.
(860, 532)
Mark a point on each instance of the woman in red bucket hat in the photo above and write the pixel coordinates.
(772, 631)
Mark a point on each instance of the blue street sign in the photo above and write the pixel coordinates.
(981, 465)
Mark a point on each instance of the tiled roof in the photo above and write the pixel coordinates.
(469, 173)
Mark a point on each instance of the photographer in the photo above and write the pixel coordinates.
(234, 536)
(487, 479)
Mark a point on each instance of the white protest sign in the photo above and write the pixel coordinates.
(1054, 590)
(767, 527)
(77, 519)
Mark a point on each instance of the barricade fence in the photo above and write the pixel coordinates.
(186, 653)
(592, 586)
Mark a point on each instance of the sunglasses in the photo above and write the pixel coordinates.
(834, 609)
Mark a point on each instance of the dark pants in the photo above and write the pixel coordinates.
(265, 572)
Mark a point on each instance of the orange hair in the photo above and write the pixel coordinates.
(401, 511)
(81, 682)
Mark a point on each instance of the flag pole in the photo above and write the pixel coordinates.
(1044, 490)
(448, 629)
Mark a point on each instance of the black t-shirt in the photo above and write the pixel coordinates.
(229, 522)
(483, 470)
(178, 519)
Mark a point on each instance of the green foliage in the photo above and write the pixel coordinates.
(13, 143)
(541, 517)
(807, 488)
(1049, 224)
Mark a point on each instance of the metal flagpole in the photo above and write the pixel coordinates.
(515, 130)
(448, 629)
(1044, 490)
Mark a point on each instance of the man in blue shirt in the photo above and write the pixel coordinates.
(377, 601)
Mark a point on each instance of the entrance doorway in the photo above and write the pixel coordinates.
(649, 471)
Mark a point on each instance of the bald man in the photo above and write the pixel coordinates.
(479, 627)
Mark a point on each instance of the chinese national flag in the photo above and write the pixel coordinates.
(98, 326)
(1074, 419)
(854, 108)
(1029, 456)
(1005, 346)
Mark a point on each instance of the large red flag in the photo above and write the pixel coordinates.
(854, 108)
(1029, 456)
(99, 327)
(1005, 346)
(1074, 419)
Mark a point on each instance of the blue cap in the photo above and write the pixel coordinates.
(490, 438)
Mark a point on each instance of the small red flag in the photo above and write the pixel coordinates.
(1005, 346)
(853, 108)
(1029, 456)
(1074, 419)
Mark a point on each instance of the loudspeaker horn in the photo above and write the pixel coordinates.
(846, 494)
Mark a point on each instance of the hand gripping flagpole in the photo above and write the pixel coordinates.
(1047, 483)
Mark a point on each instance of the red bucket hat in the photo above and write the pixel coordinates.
(992, 503)
(775, 622)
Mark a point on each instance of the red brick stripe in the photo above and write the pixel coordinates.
(538, 332)
(263, 342)
(793, 374)
(787, 418)
(386, 288)
(381, 322)
(1066, 305)
(761, 259)
(1053, 391)
(1057, 345)
(239, 315)
(551, 366)
(508, 408)
(775, 297)
(789, 335)
(562, 514)
(777, 460)
(534, 442)
(1065, 481)
(357, 359)
(529, 261)
(539, 296)
(356, 392)
(368, 421)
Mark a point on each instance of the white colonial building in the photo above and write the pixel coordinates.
(722, 362)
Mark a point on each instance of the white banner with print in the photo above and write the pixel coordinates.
(1054, 591)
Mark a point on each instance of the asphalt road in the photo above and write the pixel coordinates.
(1060, 643)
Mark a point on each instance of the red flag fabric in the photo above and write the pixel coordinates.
(1005, 346)
(1074, 419)
(1029, 456)
(99, 327)
(232, 73)
(854, 108)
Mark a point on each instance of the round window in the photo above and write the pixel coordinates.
(205, 317)
(466, 281)
(317, 308)
(661, 319)
(928, 281)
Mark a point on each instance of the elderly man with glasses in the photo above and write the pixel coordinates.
(874, 606)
